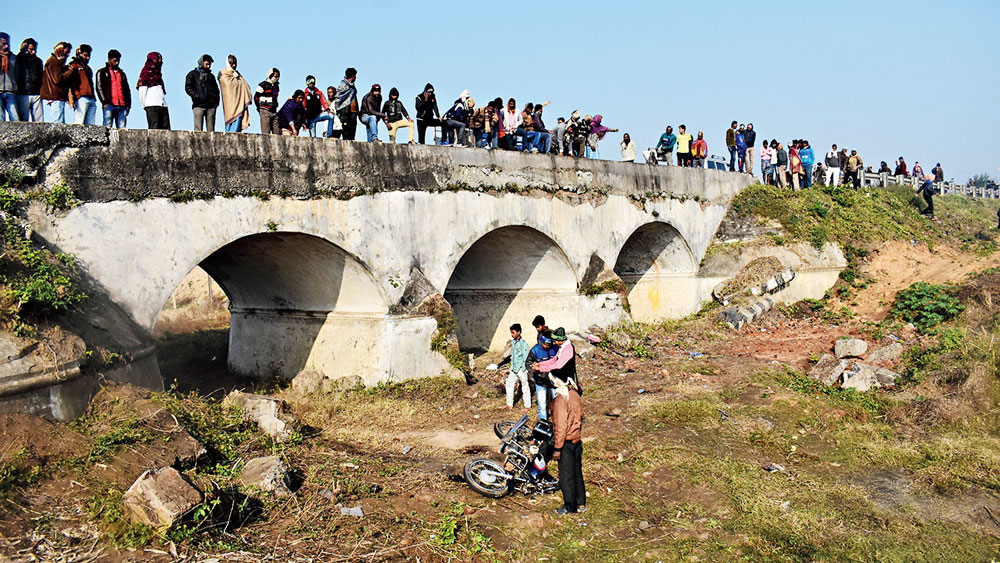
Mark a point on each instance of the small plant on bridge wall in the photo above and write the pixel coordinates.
(59, 196)
(272, 226)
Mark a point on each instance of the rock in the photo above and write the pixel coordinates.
(356, 511)
(885, 355)
(886, 377)
(160, 498)
(644, 525)
(267, 412)
(584, 348)
(268, 474)
(860, 377)
(828, 369)
(850, 348)
(308, 381)
(346, 383)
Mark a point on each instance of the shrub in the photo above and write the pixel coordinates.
(926, 305)
(59, 196)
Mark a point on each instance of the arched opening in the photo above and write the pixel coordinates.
(657, 267)
(296, 301)
(508, 276)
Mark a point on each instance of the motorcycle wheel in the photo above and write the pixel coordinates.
(501, 428)
(486, 485)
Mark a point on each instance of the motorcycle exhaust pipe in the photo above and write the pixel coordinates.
(495, 474)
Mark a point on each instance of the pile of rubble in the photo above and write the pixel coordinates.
(846, 368)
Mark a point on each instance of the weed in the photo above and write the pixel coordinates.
(926, 305)
(59, 196)
(272, 226)
(14, 475)
(183, 196)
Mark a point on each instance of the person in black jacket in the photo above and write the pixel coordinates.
(750, 138)
(266, 100)
(780, 163)
(427, 112)
(28, 73)
(201, 86)
(396, 116)
(371, 112)
(113, 92)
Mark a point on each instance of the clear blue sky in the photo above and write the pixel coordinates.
(917, 78)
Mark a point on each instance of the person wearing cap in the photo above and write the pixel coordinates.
(201, 86)
(567, 422)
(518, 370)
(540, 352)
(266, 100)
(371, 112)
(427, 112)
(113, 92)
(927, 190)
(28, 76)
(396, 116)
(81, 87)
(665, 147)
(55, 78)
(8, 81)
(347, 104)
(316, 108)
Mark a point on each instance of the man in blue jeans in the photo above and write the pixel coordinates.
(113, 91)
(731, 145)
(371, 112)
(542, 351)
(316, 108)
(8, 84)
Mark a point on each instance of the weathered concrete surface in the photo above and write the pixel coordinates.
(316, 242)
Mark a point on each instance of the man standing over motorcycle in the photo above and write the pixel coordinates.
(567, 422)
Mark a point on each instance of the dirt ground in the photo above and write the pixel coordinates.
(675, 446)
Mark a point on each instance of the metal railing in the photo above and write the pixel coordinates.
(870, 179)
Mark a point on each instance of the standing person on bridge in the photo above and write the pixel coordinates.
(918, 171)
(628, 149)
(201, 87)
(55, 90)
(731, 145)
(347, 104)
(854, 167)
(938, 173)
(683, 146)
(316, 108)
(750, 137)
(396, 116)
(8, 80)
(152, 93)
(266, 99)
(795, 164)
(833, 165)
(113, 92)
(665, 147)
(766, 155)
(28, 74)
(741, 148)
(699, 151)
(81, 87)
(518, 370)
(900, 167)
(236, 97)
(428, 114)
(567, 422)
(780, 163)
(808, 159)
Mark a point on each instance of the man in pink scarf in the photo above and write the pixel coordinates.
(236, 97)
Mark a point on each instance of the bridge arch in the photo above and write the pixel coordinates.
(659, 270)
(296, 301)
(509, 275)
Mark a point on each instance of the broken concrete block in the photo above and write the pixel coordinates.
(584, 348)
(850, 348)
(860, 377)
(160, 498)
(308, 381)
(828, 369)
(267, 412)
(268, 474)
(885, 355)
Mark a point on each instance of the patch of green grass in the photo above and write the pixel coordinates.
(926, 305)
(223, 431)
(59, 196)
(684, 412)
(16, 473)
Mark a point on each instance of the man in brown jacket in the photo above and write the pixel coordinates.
(81, 87)
(567, 422)
(55, 82)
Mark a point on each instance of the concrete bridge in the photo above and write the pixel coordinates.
(327, 250)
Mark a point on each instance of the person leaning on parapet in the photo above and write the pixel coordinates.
(884, 168)
(597, 133)
(371, 112)
(683, 146)
(396, 116)
(201, 87)
(750, 137)
(55, 91)
(518, 371)
(113, 91)
(28, 76)
(347, 104)
(780, 163)
(731, 145)
(266, 99)
(291, 116)
(665, 147)
(152, 92)
(567, 419)
(81, 87)
(808, 159)
(8, 80)
(427, 112)
(938, 173)
(699, 151)
(236, 97)
(833, 165)
(316, 108)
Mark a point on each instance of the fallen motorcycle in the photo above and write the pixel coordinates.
(528, 451)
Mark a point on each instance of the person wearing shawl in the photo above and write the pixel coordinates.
(567, 422)
(628, 149)
(8, 84)
(597, 132)
(236, 97)
(152, 93)
(55, 81)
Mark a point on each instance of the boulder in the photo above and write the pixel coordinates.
(268, 474)
(828, 369)
(308, 381)
(886, 355)
(584, 348)
(861, 377)
(160, 498)
(267, 412)
(886, 377)
(850, 348)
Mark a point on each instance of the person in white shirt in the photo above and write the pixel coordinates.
(833, 165)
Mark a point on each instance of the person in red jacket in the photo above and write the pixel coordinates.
(113, 91)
